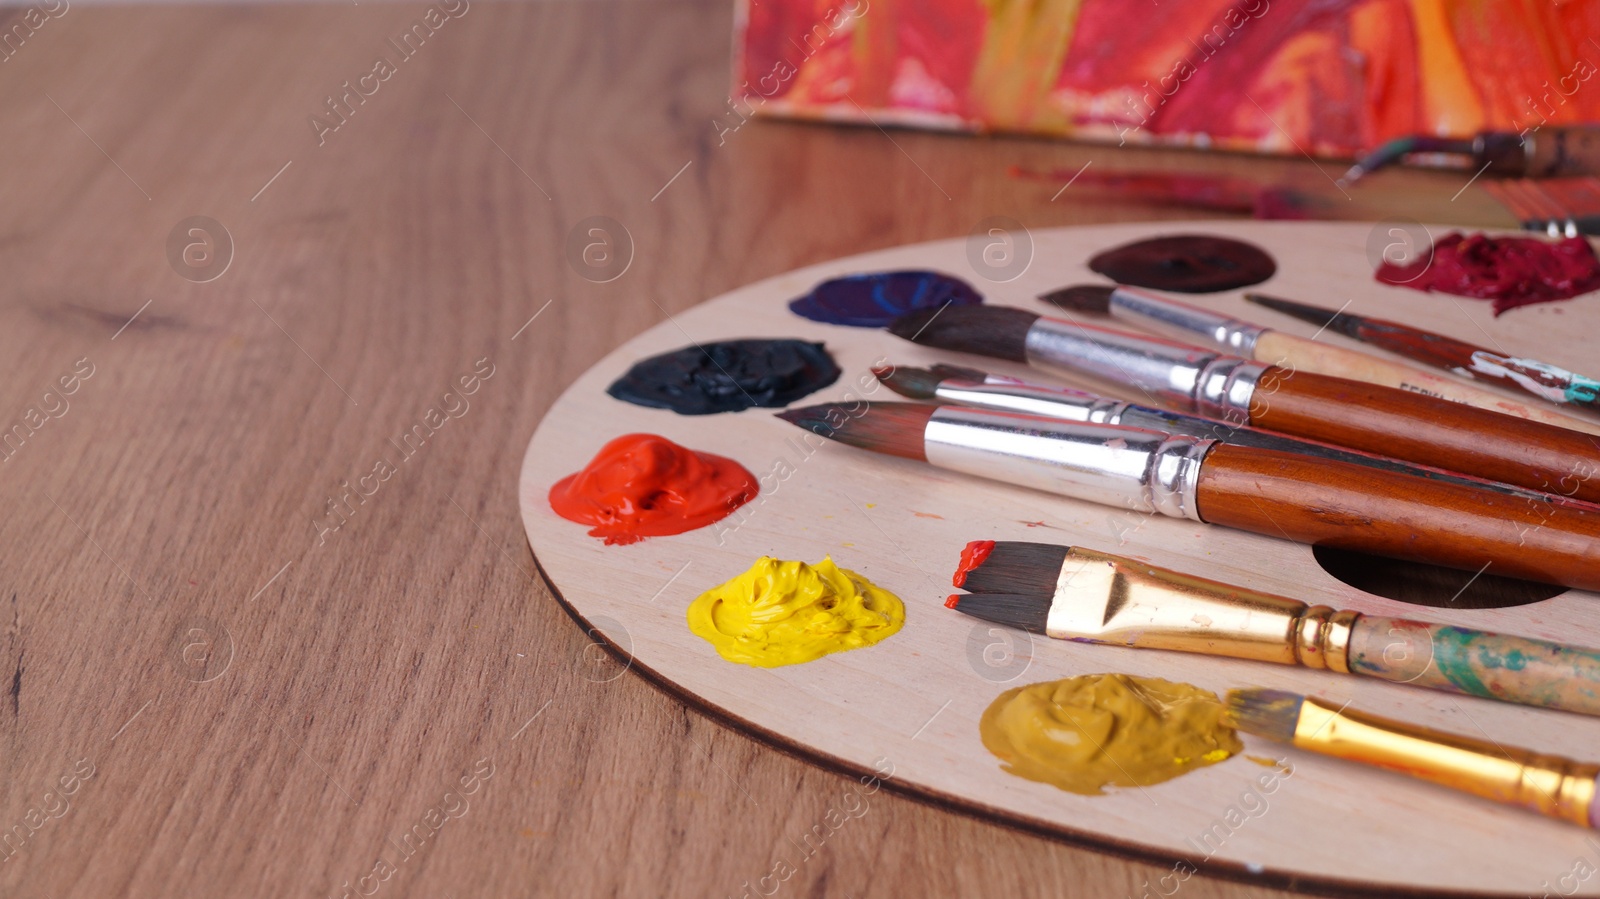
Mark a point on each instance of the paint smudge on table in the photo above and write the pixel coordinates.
(1507, 271)
(1083, 734)
(874, 299)
(727, 376)
(784, 612)
(642, 485)
(1185, 190)
(1186, 263)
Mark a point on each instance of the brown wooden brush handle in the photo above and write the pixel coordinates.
(1354, 507)
(1422, 429)
(1320, 357)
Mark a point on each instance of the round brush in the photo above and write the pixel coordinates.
(1273, 347)
(1367, 417)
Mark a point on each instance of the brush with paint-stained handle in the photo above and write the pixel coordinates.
(1296, 497)
(1541, 379)
(982, 390)
(1072, 593)
(1551, 785)
(1273, 347)
(1367, 417)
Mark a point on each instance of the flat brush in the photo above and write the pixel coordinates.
(1277, 494)
(1162, 314)
(1548, 784)
(1367, 417)
(981, 390)
(1072, 593)
(1541, 379)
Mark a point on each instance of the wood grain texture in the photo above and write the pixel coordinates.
(184, 488)
(1429, 431)
(1302, 354)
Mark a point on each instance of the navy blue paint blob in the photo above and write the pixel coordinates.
(876, 299)
(728, 376)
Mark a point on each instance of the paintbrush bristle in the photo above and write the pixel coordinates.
(959, 373)
(1330, 319)
(1022, 611)
(1095, 298)
(1273, 714)
(997, 331)
(916, 383)
(1014, 566)
(892, 428)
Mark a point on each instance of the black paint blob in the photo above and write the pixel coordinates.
(875, 299)
(728, 376)
(1186, 263)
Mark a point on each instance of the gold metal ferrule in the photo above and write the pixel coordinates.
(1548, 784)
(1102, 598)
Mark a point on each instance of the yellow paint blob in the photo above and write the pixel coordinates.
(783, 613)
(1085, 733)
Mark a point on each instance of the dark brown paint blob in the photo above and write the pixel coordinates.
(1186, 263)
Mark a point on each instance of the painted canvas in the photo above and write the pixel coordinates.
(1326, 77)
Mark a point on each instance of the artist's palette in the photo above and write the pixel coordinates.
(910, 705)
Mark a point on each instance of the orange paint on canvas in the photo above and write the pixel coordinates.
(1332, 77)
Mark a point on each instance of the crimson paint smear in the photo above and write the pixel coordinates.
(1508, 271)
(641, 485)
(972, 555)
(1217, 193)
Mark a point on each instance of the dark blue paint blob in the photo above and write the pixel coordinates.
(727, 376)
(874, 300)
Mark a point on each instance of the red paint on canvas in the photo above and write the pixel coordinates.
(1324, 76)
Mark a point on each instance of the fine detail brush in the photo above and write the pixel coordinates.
(1541, 379)
(1162, 314)
(1367, 417)
(981, 390)
(1277, 494)
(1548, 784)
(1556, 151)
(1072, 593)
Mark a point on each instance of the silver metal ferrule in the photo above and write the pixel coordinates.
(1131, 468)
(1032, 399)
(1173, 374)
(1168, 315)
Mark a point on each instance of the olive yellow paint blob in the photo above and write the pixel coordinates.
(783, 613)
(1085, 733)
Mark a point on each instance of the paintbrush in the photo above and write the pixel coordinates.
(1314, 501)
(1543, 380)
(1557, 151)
(1072, 593)
(1367, 417)
(1165, 315)
(1550, 785)
(981, 390)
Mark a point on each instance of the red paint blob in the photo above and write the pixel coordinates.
(971, 557)
(1509, 271)
(953, 601)
(641, 485)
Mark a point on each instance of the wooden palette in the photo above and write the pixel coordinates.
(911, 704)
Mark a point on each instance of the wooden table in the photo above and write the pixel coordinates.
(253, 689)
